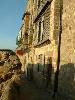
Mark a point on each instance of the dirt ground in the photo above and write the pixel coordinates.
(29, 91)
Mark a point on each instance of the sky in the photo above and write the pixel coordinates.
(11, 12)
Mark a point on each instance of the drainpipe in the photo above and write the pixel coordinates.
(58, 60)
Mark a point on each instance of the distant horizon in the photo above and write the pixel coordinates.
(8, 49)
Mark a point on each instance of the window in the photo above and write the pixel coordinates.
(40, 29)
(40, 64)
(39, 32)
(26, 38)
(35, 31)
(38, 3)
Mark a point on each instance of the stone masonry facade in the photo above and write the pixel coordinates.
(47, 38)
(67, 50)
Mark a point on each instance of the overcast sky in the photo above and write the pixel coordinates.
(11, 12)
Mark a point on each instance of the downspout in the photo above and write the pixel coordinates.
(58, 59)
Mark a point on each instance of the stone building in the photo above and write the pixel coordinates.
(49, 24)
(26, 37)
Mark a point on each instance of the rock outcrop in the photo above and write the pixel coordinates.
(10, 70)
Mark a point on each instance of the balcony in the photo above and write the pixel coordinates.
(41, 9)
(46, 41)
(41, 5)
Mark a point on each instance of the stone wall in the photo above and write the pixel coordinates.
(67, 61)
